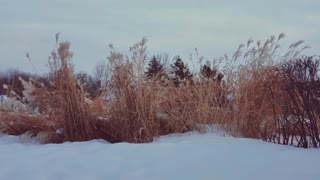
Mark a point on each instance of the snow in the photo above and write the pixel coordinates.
(213, 155)
(11, 104)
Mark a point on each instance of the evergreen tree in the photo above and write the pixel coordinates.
(180, 71)
(213, 74)
(209, 73)
(155, 68)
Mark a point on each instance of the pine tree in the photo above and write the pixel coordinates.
(180, 71)
(209, 73)
(155, 68)
(216, 77)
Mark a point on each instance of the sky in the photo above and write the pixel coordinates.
(175, 27)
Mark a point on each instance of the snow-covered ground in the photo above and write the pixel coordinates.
(185, 156)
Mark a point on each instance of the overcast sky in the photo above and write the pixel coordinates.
(172, 26)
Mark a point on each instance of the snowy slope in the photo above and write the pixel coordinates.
(188, 156)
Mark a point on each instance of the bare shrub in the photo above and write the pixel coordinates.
(300, 111)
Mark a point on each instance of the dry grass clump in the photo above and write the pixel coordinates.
(252, 103)
(18, 124)
(77, 121)
(63, 101)
(256, 86)
(132, 110)
(142, 108)
(152, 110)
(39, 128)
(201, 103)
(133, 114)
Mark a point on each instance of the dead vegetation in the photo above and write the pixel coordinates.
(249, 97)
